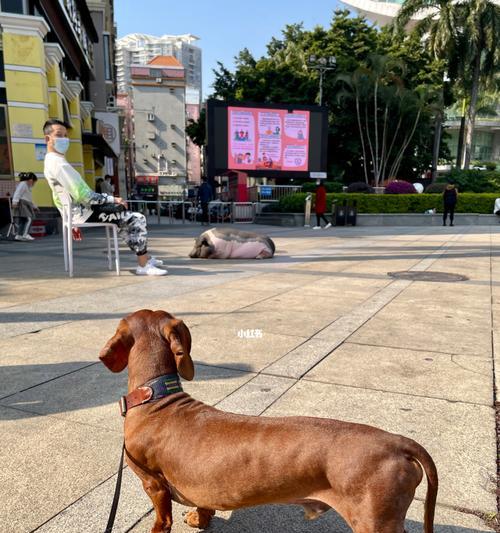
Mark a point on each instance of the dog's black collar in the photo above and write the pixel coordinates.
(154, 389)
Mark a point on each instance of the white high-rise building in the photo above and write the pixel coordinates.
(140, 49)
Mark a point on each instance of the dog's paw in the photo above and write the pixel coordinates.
(199, 518)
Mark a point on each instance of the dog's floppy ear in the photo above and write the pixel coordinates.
(115, 354)
(176, 333)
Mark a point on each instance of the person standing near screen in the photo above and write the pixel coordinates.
(320, 206)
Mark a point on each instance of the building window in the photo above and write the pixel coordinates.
(5, 159)
(482, 145)
(107, 58)
(13, 6)
(2, 72)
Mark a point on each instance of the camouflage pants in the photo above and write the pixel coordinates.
(132, 227)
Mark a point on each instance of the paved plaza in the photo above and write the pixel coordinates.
(320, 330)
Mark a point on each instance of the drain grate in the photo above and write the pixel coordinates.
(428, 275)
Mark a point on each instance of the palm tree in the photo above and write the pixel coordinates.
(481, 33)
(387, 113)
(465, 33)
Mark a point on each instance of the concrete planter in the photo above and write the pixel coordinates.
(382, 219)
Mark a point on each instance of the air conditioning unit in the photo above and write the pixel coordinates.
(172, 90)
(151, 135)
(145, 159)
(159, 80)
(111, 102)
(151, 117)
(173, 145)
(173, 126)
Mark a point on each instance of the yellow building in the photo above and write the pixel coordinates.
(47, 70)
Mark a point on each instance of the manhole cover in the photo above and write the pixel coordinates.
(427, 275)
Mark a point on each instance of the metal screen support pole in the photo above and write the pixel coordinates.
(158, 210)
(307, 211)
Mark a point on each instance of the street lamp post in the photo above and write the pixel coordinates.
(322, 64)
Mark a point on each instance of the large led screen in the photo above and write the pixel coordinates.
(266, 139)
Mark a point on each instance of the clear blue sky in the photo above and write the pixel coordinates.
(224, 27)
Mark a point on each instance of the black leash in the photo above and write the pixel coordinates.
(116, 497)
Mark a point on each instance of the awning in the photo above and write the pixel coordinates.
(99, 143)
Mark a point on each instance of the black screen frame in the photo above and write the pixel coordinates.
(217, 139)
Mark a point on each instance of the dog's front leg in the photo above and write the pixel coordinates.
(199, 518)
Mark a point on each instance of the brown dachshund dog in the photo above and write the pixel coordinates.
(194, 454)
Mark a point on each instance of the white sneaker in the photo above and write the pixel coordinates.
(317, 227)
(18, 238)
(150, 270)
(329, 225)
(28, 238)
(155, 262)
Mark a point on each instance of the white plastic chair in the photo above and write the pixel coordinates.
(67, 227)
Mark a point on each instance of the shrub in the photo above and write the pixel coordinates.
(397, 203)
(330, 186)
(360, 187)
(473, 180)
(400, 187)
(435, 188)
(271, 207)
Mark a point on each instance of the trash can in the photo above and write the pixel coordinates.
(339, 213)
(351, 213)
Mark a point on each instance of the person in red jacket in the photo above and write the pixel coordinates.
(320, 206)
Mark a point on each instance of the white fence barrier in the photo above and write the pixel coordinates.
(176, 211)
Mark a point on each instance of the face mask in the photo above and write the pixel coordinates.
(61, 144)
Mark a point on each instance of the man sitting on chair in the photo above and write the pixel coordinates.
(62, 177)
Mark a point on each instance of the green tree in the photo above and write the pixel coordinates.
(387, 113)
(196, 129)
(283, 76)
(465, 33)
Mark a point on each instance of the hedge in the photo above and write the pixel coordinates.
(397, 203)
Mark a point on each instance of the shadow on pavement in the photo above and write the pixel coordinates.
(280, 518)
(48, 389)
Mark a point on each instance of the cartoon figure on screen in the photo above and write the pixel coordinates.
(267, 161)
(248, 158)
(277, 130)
(300, 135)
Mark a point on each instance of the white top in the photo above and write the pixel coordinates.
(23, 192)
(62, 177)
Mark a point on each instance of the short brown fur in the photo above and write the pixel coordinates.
(189, 452)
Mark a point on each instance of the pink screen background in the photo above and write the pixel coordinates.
(268, 139)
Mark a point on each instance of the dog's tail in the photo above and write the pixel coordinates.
(420, 454)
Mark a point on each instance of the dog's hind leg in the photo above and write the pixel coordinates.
(199, 518)
(162, 503)
(160, 496)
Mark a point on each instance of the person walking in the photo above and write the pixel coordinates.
(450, 196)
(320, 206)
(23, 206)
(91, 206)
(204, 196)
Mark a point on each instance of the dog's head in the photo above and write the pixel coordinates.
(202, 248)
(152, 339)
